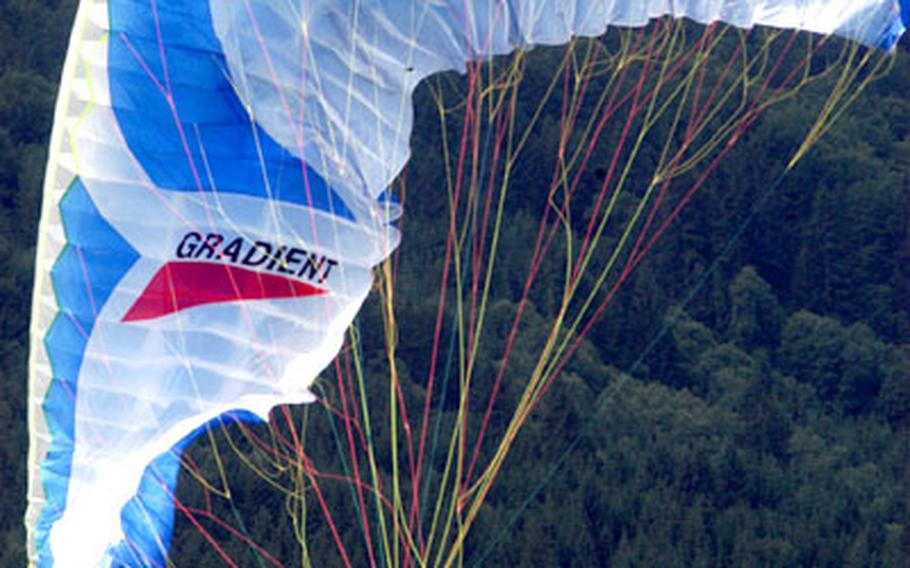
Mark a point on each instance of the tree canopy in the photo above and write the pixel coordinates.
(767, 426)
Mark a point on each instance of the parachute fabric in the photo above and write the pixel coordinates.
(213, 209)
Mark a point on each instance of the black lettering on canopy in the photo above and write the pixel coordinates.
(273, 257)
(258, 254)
(312, 266)
(188, 245)
(290, 259)
(233, 249)
(211, 242)
(276, 258)
(329, 265)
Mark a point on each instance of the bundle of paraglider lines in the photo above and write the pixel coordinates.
(225, 189)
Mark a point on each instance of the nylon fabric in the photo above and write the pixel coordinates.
(216, 197)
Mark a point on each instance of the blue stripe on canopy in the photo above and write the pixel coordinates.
(91, 265)
(183, 120)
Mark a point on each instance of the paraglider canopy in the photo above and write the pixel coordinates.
(216, 199)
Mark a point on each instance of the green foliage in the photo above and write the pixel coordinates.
(895, 393)
(848, 366)
(755, 314)
(32, 40)
(811, 348)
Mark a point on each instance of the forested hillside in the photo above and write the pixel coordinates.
(744, 401)
(33, 37)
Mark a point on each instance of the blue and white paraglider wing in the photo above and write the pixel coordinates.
(212, 212)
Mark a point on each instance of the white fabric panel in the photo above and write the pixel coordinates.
(142, 388)
(332, 80)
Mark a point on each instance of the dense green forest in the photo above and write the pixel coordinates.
(755, 417)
